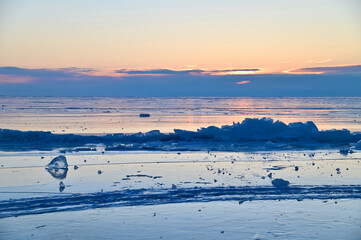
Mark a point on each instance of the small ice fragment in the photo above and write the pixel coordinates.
(358, 145)
(61, 186)
(344, 151)
(241, 201)
(144, 115)
(58, 162)
(280, 183)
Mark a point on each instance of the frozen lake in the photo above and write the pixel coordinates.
(123, 194)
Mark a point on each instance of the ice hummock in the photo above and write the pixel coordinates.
(263, 134)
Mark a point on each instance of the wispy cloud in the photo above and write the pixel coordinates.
(17, 75)
(349, 69)
(24, 75)
(165, 71)
(159, 71)
(321, 61)
(6, 78)
(9, 73)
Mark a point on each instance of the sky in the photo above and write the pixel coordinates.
(180, 48)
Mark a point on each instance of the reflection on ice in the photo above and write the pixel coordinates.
(58, 173)
(110, 115)
(61, 186)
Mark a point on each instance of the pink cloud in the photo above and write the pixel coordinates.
(243, 82)
(329, 70)
(7, 78)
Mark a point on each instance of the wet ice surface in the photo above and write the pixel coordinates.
(25, 174)
(189, 194)
(308, 219)
(92, 115)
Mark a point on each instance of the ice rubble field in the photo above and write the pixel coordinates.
(254, 134)
(212, 183)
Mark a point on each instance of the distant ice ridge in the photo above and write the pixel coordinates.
(262, 134)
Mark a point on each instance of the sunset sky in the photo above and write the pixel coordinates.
(180, 48)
